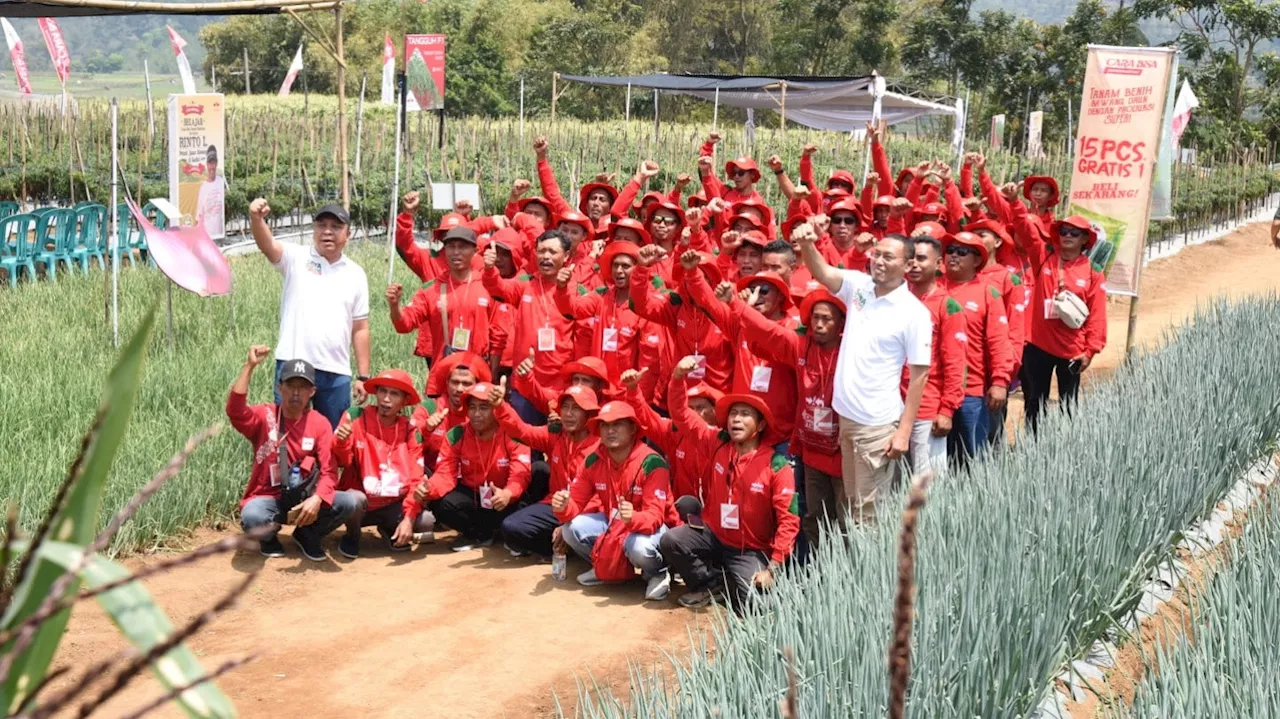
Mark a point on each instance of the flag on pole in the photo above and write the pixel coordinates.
(295, 67)
(57, 47)
(1187, 101)
(18, 56)
(184, 67)
(388, 72)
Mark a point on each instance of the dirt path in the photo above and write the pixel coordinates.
(434, 634)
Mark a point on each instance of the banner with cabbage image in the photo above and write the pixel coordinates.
(424, 72)
(1117, 145)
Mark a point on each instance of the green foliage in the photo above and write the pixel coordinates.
(1021, 565)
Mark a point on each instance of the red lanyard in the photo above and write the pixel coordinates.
(493, 453)
(463, 301)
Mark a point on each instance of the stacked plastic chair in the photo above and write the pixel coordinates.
(17, 245)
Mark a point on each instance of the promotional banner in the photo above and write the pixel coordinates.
(184, 67)
(1035, 126)
(1162, 181)
(1117, 145)
(197, 137)
(18, 57)
(57, 47)
(424, 69)
(997, 131)
(388, 72)
(295, 67)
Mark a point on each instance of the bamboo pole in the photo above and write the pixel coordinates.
(555, 80)
(342, 113)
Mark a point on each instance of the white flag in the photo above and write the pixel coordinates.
(1186, 102)
(184, 67)
(388, 72)
(295, 67)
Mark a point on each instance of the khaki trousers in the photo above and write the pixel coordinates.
(868, 473)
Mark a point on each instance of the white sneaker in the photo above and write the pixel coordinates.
(588, 579)
(658, 588)
(513, 551)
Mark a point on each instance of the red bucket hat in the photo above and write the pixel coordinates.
(654, 196)
(746, 164)
(968, 239)
(1033, 179)
(546, 204)
(724, 403)
(842, 176)
(883, 201)
(702, 389)
(629, 224)
(813, 298)
(1077, 222)
(932, 208)
(754, 237)
(846, 204)
(697, 199)
(612, 412)
(764, 209)
(756, 225)
(710, 269)
(612, 250)
(394, 379)
(993, 226)
(591, 187)
(664, 205)
(590, 366)
(584, 397)
(773, 280)
(931, 228)
(579, 219)
(440, 372)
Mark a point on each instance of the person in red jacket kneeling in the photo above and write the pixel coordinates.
(622, 481)
(750, 523)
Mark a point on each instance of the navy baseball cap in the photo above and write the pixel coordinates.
(297, 368)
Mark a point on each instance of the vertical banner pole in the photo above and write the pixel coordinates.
(151, 111)
(395, 183)
(627, 115)
(555, 81)
(360, 119)
(342, 110)
(522, 109)
(715, 112)
(115, 227)
(247, 88)
(656, 94)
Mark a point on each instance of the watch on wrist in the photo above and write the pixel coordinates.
(363, 378)
(779, 172)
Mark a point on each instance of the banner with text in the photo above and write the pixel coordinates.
(1035, 135)
(997, 131)
(197, 143)
(424, 71)
(1117, 145)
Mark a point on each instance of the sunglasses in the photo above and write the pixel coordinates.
(844, 220)
(763, 289)
(1066, 231)
(961, 250)
(740, 173)
(661, 220)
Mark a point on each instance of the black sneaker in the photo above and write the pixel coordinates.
(271, 548)
(389, 538)
(695, 599)
(311, 547)
(466, 544)
(349, 546)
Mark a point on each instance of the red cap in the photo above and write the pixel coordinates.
(702, 389)
(1078, 222)
(584, 397)
(724, 403)
(1033, 179)
(394, 379)
(931, 228)
(773, 280)
(908, 173)
(765, 211)
(841, 176)
(591, 187)
(742, 163)
(697, 199)
(612, 412)
(932, 208)
(480, 390)
(579, 219)
(992, 226)
(448, 222)
(789, 225)
(629, 224)
(756, 224)
(654, 196)
(846, 204)
(439, 376)
(970, 240)
(883, 201)
(813, 298)
(710, 269)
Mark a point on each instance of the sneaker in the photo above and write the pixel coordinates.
(466, 544)
(311, 547)
(515, 552)
(393, 547)
(349, 546)
(271, 547)
(694, 600)
(658, 588)
(588, 579)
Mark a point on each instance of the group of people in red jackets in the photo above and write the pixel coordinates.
(643, 378)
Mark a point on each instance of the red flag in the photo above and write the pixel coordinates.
(57, 47)
(187, 256)
(18, 57)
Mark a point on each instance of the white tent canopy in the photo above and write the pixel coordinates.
(841, 104)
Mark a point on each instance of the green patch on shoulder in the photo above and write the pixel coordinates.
(428, 284)
(802, 330)
(723, 435)
(582, 290)
(651, 463)
(953, 307)
(1014, 279)
(454, 435)
(590, 460)
(418, 436)
(355, 412)
(675, 299)
(601, 290)
(779, 461)
(524, 277)
(430, 405)
(657, 282)
(995, 294)
(795, 504)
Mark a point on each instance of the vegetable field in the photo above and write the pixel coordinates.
(286, 150)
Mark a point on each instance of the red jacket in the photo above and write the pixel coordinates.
(311, 436)
(1016, 296)
(469, 308)
(470, 461)
(377, 460)
(615, 330)
(642, 478)
(430, 264)
(432, 442)
(713, 187)
(756, 488)
(817, 427)
(771, 380)
(692, 331)
(563, 454)
(988, 359)
(1081, 277)
(686, 472)
(534, 302)
(944, 390)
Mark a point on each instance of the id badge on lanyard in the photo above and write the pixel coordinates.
(700, 371)
(461, 339)
(610, 340)
(729, 515)
(761, 375)
(547, 339)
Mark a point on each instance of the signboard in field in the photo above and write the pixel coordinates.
(997, 131)
(1035, 128)
(424, 71)
(197, 145)
(1117, 145)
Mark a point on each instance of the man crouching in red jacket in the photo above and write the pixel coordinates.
(291, 443)
(749, 523)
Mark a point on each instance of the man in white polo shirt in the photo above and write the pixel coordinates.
(885, 328)
(324, 308)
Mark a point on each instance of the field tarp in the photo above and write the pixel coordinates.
(841, 104)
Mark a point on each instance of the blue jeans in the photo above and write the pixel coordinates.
(333, 393)
(641, 549)
(261, 511)
(969, 429)
(525, 409)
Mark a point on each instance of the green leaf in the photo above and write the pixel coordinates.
(145, 625)
(77, 523)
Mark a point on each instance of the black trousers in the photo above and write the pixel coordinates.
(702, 561)
(461, 510)
(531, 528)
(1038, 368)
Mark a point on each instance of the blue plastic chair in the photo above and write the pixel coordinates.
(16, 245)
(55, 235)
(8, 208)
(91, 241)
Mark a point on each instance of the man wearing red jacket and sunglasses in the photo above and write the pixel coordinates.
(748, 523)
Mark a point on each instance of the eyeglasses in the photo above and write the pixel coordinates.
(844, 220)
(961, 250)
(1068, 231)
(663, 220)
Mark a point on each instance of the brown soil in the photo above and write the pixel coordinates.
(436, 634)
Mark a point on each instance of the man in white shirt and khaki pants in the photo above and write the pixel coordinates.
(886, 327)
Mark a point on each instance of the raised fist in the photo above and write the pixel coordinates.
(259, 209)
(809, 150)
(540, 147)
(410, 202)
(649, 169)
(490, 257)
(704, 165)
(689, 260)
(775, 163)
(650, 254)
(394, 293)
(257, 354)
(713, 138)
(520, 187)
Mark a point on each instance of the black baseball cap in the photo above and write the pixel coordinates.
(336, 211)
(298, 368)
(466, 234)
